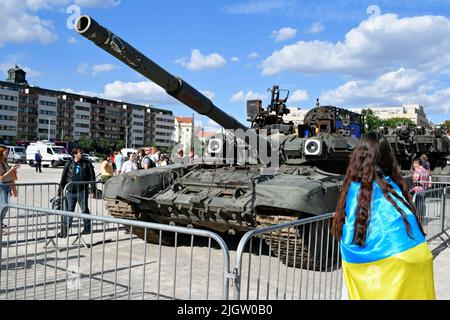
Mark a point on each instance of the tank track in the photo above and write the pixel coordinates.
(293, 250)
(123, 210)
(283, 243)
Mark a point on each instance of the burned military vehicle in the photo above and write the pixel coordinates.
(410, 142)
(303, 177)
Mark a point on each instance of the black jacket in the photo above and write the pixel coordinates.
(87, 175)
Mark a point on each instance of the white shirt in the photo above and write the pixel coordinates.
(129, 166)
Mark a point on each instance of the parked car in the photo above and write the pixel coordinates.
(17, 154)
(94, 158)
(87, 157)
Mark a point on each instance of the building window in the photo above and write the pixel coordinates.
(8, 128)
(8, 108)
(7, 98)
(80, 108)
(47, 113)
(47, 103)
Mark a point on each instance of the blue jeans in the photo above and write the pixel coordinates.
(82, 199)
(4, 198)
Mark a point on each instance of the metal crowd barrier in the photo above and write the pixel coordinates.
(430, 185)
(433, 207)
(108, 263)
(34, 194)
(297, 261)
(96, 204)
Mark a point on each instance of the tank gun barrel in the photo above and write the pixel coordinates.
(176, 87)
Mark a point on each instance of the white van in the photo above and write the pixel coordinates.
(51, 154)
(17, 154)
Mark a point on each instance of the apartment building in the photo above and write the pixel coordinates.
(33, 113)
(414, 112)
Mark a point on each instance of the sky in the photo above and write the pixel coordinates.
(348, 53)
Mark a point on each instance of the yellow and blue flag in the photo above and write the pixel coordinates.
(391, 265)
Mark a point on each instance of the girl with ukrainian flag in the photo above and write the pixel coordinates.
(384, 252)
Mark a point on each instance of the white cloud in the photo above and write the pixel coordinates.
(101, 68)
(144, 92)
(98, 3)
(378, 45)
(200, 62)
(20, 22)
(256, 7)
(19, 25)
(404, 86)
(209, 94)
(284, 34)
(299, 96)
(316, 27)
(36, 5)
(72, 40)
(241, 96)
(253, 55)
(234, 59)
(83, 68)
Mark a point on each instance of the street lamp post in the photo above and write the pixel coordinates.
(126, 136)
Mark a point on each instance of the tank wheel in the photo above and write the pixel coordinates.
(54, 164)
(300, 250)
(31, 163)
(123, 210)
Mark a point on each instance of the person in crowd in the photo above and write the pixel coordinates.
(14, 175)
(164, 162)
(8, 175)
(384, 251)
(420, 176)
(120, 159)
(113, 161)
(38, 161)
(147, 162)
(425, 163)
(107, 171)
(130, 165)
(75, 172)
(140, 156)
(156, 156)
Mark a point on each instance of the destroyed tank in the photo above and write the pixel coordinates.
(410, 142)
(230, 193)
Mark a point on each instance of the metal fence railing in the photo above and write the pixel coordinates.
(433, 207)
(298, 260)
(126, 259)
(34, 194)
(108, 263)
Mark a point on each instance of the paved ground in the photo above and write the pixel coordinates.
(116, 264)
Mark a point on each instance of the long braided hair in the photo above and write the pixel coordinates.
(372, 160)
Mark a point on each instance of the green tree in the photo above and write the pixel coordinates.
(86, 144)
(371, 121)
(120, 145)
(395, 122)
(68, 138)
(103, 145)
(15, 139)
(447, 124)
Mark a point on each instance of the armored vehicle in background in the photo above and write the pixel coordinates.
(302, 178)
(409, 142)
